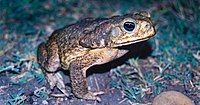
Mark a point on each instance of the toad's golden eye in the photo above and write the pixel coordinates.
(129, 26)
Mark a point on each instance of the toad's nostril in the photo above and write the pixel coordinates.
(147, 26)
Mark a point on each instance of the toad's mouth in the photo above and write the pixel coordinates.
(131, 42)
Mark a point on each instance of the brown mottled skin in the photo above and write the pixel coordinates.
(90, 42)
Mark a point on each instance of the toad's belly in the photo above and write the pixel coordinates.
(98, 56)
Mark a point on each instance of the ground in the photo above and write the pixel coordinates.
(169, 61)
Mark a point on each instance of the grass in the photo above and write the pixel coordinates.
(17, 99)
(23, 67)
(20, 97)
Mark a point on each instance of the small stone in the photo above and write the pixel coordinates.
(172, 98)
(44, 102)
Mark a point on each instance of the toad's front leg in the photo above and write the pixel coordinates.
(78, 79)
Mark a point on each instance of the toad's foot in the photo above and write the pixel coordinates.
(93, 95)
(55, 79)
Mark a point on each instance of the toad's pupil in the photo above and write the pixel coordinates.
(129, 26)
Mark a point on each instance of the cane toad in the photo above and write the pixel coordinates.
(89, 42)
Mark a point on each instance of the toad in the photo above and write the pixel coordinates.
(89, 42)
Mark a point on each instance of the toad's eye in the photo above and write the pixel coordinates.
(129, 26)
